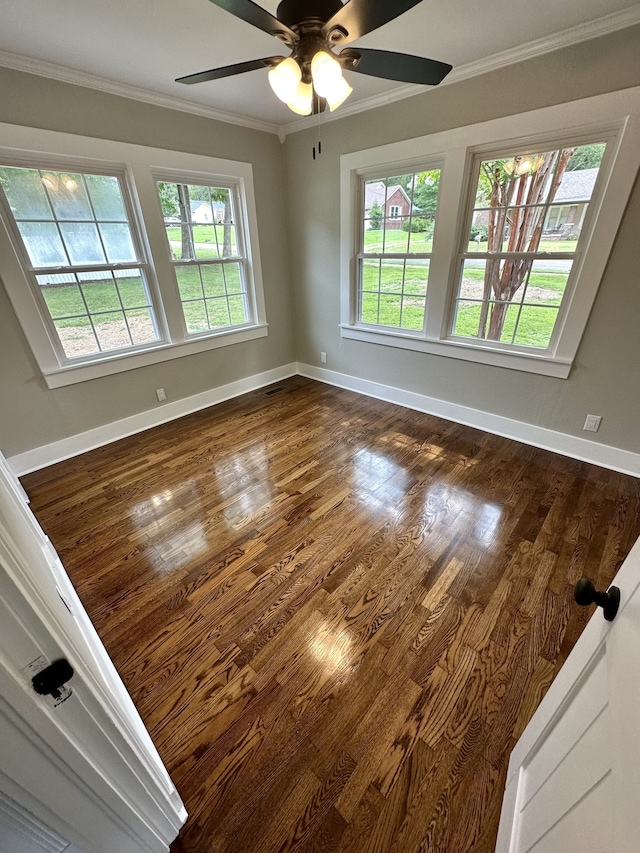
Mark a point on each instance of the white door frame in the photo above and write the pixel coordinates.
(87, 768)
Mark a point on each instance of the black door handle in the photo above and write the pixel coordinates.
(48, 681)
(585, 594)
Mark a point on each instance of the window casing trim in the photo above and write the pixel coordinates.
(619, 124)
(24, 146)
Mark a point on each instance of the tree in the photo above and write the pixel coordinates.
(376, 214)
(176, 199)
(586, 157)
(505, 185)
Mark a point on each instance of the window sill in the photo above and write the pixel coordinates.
(544, 365)
(70, 374)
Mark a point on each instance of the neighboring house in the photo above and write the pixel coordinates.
(563, 220)
(393, 201)
(576, 188)
(203, 213)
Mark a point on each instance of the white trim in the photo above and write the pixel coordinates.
(573, 446)
(565, 38)
(163, 352)
(48, 454)
(614, 117)
(573, 35)
(54, 71)
(528, 363)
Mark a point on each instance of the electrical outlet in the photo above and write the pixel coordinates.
(592, 423)
(323, 357)
(160, 394)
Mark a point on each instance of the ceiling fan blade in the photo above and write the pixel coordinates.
(259, 17)
(359, 17)
(397, 66)
(230, 70)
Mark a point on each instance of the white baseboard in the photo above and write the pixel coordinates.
(573, 446)
(48, 454)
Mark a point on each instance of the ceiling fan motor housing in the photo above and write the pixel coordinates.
(292, 12)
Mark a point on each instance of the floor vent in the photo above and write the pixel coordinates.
(273, 391)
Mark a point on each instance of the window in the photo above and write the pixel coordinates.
(207, 253)
(523, 238)
(106, 267)
(393, 261)
(83, 258)
(523, 216)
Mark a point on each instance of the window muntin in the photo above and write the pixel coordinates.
(82, 257)
(207, 252)
(395, 250)
(524, 235)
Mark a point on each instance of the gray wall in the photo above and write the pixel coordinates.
(605, 378)
(32, 415)
(305, 227)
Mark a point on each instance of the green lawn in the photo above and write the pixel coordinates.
(396, 240)
(385, 302)
(203, 235)
(224, 305)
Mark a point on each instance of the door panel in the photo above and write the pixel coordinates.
(573, 778)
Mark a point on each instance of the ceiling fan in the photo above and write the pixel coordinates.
(311, 77)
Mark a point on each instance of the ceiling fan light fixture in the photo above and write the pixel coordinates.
(301, 101)
(339, 94)
(285, 79)
(326, 73)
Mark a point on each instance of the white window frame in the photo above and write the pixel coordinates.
(25, 147)
(617, 122)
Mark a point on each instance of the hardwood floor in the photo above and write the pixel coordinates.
(335, 615)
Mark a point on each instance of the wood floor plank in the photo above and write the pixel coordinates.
(335, 615)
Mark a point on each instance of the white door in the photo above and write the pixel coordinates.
(84, 764)
(573, 784)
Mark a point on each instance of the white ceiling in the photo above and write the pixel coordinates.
(145, 44)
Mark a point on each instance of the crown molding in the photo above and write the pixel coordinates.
(574, 35)
(53, 71)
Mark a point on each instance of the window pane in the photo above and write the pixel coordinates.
(77, 337)
(82, 242)
(226, 240)
(132, 290)
(189, 282)
(195, 316)
(535, 326)
(218, 312)
(67, 195)
(141, 326)
(117, 242)
(213, 280)
(112, 331)
(62, 295)
(232, 278)
(106, 198)
(547, 282)
(421, 233)
(99, 291)
(237, 309)
(43, 244)
(25, 193)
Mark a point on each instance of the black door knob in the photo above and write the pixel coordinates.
(585, 594)
(48, 681)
